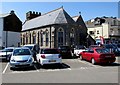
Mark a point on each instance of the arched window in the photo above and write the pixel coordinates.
(30, 38)
(60, 36)
(26, 38)
(72, 36)
(41, 38)
(47, 38)
(34, 37)
(23, 39)
(38, 37)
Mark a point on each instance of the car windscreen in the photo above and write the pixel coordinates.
(7, 50)
(49, 51)
(30, 47)
(102, 51)
(80, 47)
(64, 47)
(21, 52)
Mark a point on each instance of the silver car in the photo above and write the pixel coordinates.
(6, 53)
(21, 57)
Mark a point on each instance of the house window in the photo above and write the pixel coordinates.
(91, 32)
(38, 38)
(26, 39)
(72, 37)
(47, 39)
(97, 31)
(41, 38)
(114, 22)
(60, 37)
(23, 40)
(34, 38)
(30, 38)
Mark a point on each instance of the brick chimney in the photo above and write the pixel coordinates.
(31, 15)
(12, 12)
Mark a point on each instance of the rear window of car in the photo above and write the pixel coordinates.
(64, 47)
(102, 51)
(21, 52)
(80, 47)
(30, 47)
(49, 51)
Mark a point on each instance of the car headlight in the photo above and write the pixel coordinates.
(30, 60)
(12, 60)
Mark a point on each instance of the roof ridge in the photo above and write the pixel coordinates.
(52, 11)
(45, 13)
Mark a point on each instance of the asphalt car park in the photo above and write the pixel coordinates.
(67, 64)
(70, 71)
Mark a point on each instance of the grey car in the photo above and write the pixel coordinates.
(21, 57)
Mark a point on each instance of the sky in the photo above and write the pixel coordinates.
(89, 10)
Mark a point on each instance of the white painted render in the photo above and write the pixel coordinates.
(1, 29)
(13, 37)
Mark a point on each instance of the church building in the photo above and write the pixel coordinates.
(53, 29)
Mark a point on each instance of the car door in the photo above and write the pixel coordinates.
(89, 54)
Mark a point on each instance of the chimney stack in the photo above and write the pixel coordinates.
(12, 12)
(31, 15)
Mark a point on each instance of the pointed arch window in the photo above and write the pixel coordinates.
(60, 36)
(41, 38)
(47, 38)
(72, 36)
(26, 38)
(34, 37)
(38, 37)
(30, 38)
(23, 39)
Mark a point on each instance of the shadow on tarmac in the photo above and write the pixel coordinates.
(37, 66)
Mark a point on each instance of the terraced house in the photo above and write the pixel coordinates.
(52, 29)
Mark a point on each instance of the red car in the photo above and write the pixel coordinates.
(97, 55)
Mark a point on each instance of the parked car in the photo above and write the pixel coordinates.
(66, 51)
(116, 49)
(112, 48)
(98, 55)
(79, 49)
(21, 57)
(6, 53)
(49, 56)
(34, 49)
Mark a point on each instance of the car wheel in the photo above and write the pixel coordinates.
(81, 57)
(93, 61)
(12, 68)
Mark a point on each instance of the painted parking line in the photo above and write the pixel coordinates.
(5, 68)
(36, 68)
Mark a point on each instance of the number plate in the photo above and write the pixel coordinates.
(21, 63)
(52, 60)
(108, 56)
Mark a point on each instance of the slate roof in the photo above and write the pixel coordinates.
(75, 18)
(58, 16)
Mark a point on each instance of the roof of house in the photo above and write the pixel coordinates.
(75, 18)
(4, 15)
(58, 16)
